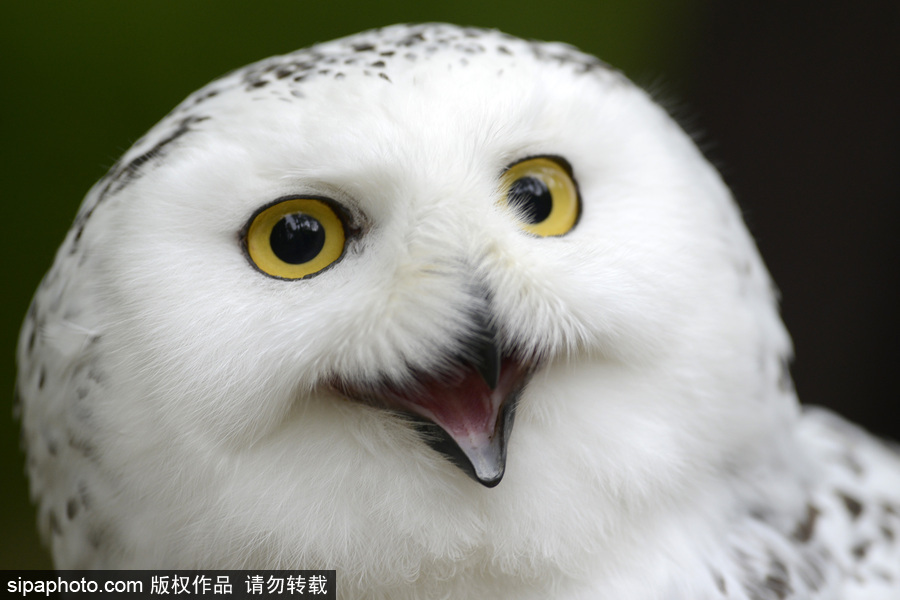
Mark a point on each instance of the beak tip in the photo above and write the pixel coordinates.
(491, 482)
(488, 464)
(485, 464)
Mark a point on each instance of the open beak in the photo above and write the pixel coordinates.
(465, 414)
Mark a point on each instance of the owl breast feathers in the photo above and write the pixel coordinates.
(453, 313)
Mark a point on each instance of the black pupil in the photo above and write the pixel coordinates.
(297, 238)
(532, 198)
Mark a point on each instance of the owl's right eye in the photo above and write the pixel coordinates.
(295, 238)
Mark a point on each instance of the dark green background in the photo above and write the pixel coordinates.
(82, 80)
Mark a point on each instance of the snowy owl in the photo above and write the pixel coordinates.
(456, 314)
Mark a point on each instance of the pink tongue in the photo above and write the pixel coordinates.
(465, 407)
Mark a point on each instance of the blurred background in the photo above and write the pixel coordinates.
(795, 101)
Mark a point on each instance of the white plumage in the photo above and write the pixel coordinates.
(191, 399)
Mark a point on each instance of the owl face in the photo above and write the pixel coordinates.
(411, 254)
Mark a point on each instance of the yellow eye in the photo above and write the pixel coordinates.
(543, 195)
(295, 238)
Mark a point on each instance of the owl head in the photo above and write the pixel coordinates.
(336, 296)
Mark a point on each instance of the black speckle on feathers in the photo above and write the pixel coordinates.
(53, 522)
(852, 504)
(411, 40)
(807, 527)
(778, 579)
(71, 508)
(17, 404)
(720, 583)
(859, 550)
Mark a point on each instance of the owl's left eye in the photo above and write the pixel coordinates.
(295, 238)
(543, 194)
